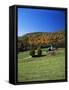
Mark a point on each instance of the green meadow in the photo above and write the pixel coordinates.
(47, 67)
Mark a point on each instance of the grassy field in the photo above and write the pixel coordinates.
(48, 67)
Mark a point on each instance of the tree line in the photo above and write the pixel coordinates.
(42, 39)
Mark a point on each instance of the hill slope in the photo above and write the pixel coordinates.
(41, 38)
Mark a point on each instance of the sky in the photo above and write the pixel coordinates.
(39, 20)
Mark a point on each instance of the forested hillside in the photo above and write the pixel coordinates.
(43, 39)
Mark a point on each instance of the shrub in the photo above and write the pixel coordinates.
(32, 52)
(39, 51)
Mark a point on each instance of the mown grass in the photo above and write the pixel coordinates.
(48, 67)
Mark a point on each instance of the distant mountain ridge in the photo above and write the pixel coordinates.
(40, 33)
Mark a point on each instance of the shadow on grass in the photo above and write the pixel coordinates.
(34, 57)
(38, 56)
